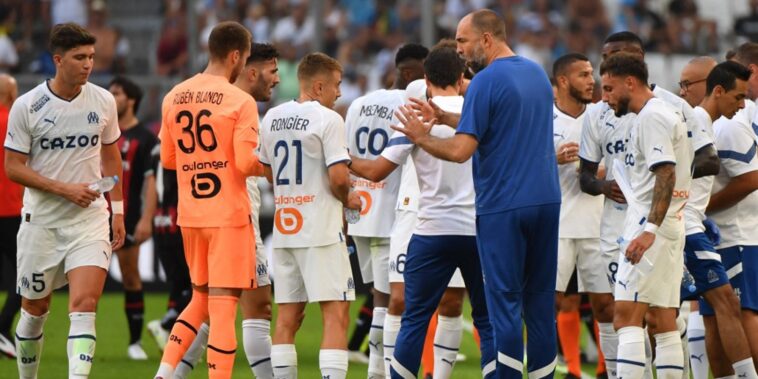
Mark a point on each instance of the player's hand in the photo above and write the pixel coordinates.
(612, 191)
(79, 194)
(354, 201)
(413, 127)
(119, 232)
(143, 230)
(639, 246)
(567, 153)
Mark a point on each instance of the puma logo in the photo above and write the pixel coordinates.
(658, 149)
(448, 362)
(698, 357)
(623, 284)
(374, 345)
(49, 120)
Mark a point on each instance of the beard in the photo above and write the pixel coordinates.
(261, 91)
(478, 60)
(622, 107)
(578, 95)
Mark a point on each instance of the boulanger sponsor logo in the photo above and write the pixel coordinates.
(288, 221)
(365, 202)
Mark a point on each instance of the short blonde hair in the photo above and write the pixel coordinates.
(315, 64)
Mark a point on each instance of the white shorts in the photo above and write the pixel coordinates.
(584, 255)
(313, 274)
(261, 261)
(373, 258)
(661, 286)
(46, 255)
(405, 224)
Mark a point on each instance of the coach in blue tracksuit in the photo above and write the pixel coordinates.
(506, 125)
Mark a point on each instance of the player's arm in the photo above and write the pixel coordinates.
(19, 172)
(110, 157)
(738, 188)
(168, 149)
(706, 162)
(663, 190)
(246, 140)
(374, 170)
(339, 184)
(590, 182)
(144, 228)
(458, 148)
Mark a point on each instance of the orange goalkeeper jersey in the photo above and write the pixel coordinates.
(209, 132)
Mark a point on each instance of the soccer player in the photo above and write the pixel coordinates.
(507, 117)
(443, 238)
(579, 231)
(135, 145)
(726, 88)
(732, 207)
(60, 135)
(209, 134)
(658, 160)
(10, 220)
(305, 152)
(692, 80)
(368, 131)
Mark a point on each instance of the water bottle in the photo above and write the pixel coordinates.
(644, 266)
(352, 216)
(688, 282)
(105, 184)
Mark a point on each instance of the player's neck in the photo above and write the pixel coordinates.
(500, 51)
(710, 107)
(219, 69)
(570, 106)
(638, 102)
(127, 121)
(447, 91)
(62, 89)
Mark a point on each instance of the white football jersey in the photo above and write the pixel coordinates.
(446, 203)
(658, 136)
(63, 140)
(580, 212)
(700, 192)
(408, 193)
(736, 144)
(300, 141)
(696, 132)
(604, 139)
(367, 125)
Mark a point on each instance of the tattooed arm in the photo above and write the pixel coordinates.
(665, 177)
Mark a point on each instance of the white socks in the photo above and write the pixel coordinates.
(375, 344)
(609, 343)
(391, 329)
(256, 338)
(29, 343)
(333, 363)
(284, 361)
(81, 344)
(696, 343)
(648, 357)
(681, 324)
(447, 341)
(631, 353)
(745, 369)
(193, 354)
(669, 359)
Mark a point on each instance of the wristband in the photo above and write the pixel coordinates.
(117, 207)
(651, 228)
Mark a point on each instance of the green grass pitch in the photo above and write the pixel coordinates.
(112, 337)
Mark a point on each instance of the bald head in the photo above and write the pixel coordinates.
(8, 90)
(487, 21)
(692, 80)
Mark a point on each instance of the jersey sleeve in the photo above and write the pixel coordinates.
(246, 140)
(148, 149)
(695, 126)
(333, 140)
(590, 147)
(736, 149)
(111, 133)
(263, 154)
(656, 141)
(351, 118)
(18, 138)
(398, 148)
(475, 116)
(168, 149)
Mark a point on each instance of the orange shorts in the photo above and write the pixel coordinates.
(221, 257)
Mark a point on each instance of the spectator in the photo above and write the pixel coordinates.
(297, 29)
(686, 29)
(8, 54)
(60, 11)
(172, 46)
(747, 26)
(257, 21)
(111, 47)
(636, 17)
